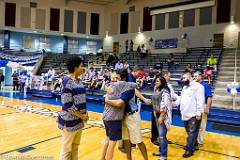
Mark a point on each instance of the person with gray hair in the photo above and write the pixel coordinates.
(191, 104)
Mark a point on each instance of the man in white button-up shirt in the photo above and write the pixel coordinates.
(191, 102)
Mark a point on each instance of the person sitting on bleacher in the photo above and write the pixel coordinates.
(170, 62)
(150, 77)
(189, 68)
(51, 72)
(208, 73)
(126, 65)
(141, 77)
(118, 65)
(159, 65)
(198, 68)
(212, 62)
(91, 73)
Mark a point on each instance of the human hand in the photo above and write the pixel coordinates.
(148, 101)
(198, 117)
(160, 120)
(206, 110)
(85, 117)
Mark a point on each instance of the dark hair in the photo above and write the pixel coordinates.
(163, 82)
(73, 62)
(123, 74)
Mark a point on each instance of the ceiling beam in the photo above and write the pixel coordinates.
(99, 2)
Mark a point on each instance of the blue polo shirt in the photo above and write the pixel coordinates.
(131, 78)
(129, 98)
(207, 90)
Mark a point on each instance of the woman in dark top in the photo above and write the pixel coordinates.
(162, 109)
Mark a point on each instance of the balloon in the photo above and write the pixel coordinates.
(233, 91)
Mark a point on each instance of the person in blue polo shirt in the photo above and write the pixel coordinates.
(208, 102)
(73, 115)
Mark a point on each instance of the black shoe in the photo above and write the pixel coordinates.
(122, 149)
(133, 145)
(155, 142)
(196, 148)
(187, 154)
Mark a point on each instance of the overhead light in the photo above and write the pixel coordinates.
(87, 37)
(106, 34)
(35, 31)
(139, 29)
(232, 20)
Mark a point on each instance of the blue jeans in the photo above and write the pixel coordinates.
(22, 85)
(192, 129)
(163, 146)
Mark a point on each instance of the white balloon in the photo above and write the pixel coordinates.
(233, 91)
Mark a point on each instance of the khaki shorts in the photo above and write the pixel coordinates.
(132, 128)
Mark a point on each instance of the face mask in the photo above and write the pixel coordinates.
(186, 83)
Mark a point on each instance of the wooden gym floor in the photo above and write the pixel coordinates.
(26, 135)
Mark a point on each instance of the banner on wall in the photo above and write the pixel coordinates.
(166, 43)
(91, 47)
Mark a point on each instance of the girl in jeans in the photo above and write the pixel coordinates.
(162, 109)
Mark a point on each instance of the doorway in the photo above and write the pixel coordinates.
(218, 40)
(116, 47)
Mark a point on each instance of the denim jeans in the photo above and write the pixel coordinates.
(163, 146)
(192, 129)
(22, 85)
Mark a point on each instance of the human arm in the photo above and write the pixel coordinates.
(122, 101)
(140, 96)
(69, 106)
(208, 94)
(200, 99)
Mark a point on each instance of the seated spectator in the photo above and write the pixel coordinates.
(158, 66)
(118, 65)
(208, 73)
(100, 52)
(126, 65)
(110, 59)
(51, 72)
(58, 83)
(150, 77)
(199, 69)
(170, 62)
(141, 77)
(212, 62)
(189, 68)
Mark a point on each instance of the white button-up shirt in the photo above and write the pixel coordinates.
(191, 101)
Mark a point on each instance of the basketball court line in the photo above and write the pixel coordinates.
(203, 150)
(91, 126)
(8, 113)
(33, 144)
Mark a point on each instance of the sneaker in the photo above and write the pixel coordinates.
(187, 154)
